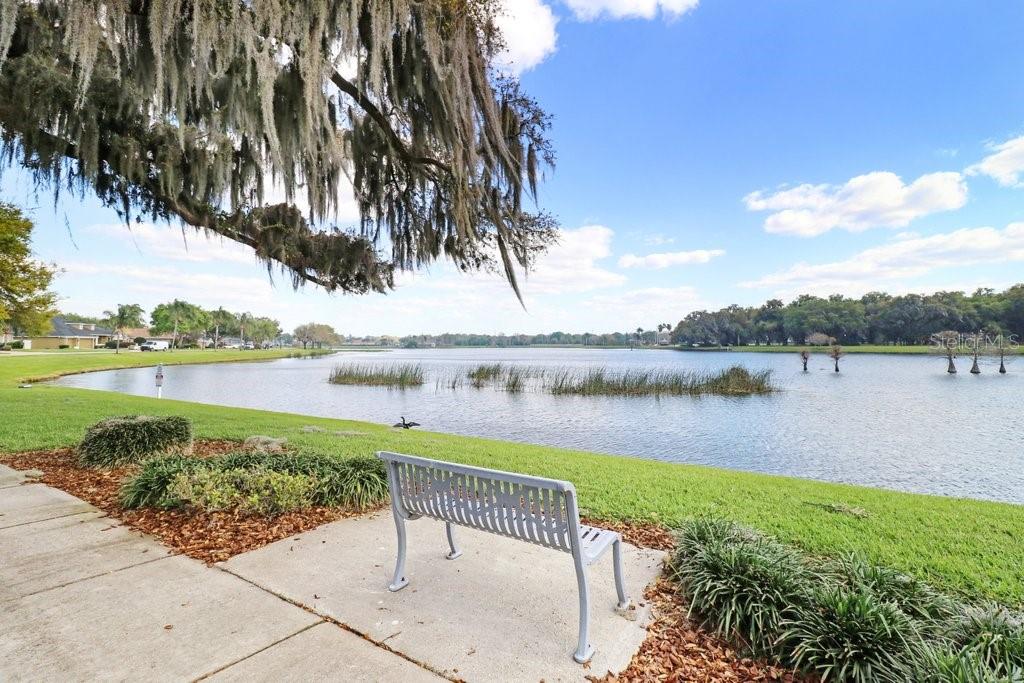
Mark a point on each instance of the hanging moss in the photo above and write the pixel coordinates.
(185, 108)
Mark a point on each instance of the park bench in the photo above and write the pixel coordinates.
(533, 509)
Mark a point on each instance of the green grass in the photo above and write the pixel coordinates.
(968, 546)
(399, 375)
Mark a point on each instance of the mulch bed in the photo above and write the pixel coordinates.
(206, 536)
(675, 649)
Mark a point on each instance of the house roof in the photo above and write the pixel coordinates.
(63, 328)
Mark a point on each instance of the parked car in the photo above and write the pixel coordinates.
(249, 346)
(154, 345)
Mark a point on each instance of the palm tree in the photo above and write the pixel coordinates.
(127, 315)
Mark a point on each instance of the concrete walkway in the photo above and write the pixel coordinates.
(84, 597)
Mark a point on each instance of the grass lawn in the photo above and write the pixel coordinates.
(972, 547)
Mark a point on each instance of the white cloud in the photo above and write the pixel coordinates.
(1005, 165)
(571, 264)
(588, 10)
(645, 307)
(528, 27)
(866, 201)
(155, 284)
(658, 240)
(901, 260)
(170, 242)
(671, 258)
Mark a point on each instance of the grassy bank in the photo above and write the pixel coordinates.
(967, 546)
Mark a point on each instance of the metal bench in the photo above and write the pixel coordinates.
(533, 509)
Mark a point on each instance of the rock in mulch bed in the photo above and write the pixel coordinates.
(676, 650)
(206, 536)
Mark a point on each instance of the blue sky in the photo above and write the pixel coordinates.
(712, 153)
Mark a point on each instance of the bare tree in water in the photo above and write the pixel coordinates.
(946, 343)
(835, 352)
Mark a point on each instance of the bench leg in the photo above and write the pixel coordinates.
(584, 651)
(399, 581)
(454, 549)
(620, 586)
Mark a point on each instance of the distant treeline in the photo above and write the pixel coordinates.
(503, 340)
(875, 318)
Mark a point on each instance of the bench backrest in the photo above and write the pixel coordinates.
(533, 509)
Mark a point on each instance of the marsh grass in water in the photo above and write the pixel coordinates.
(484, 373)
(600, 381)
(733, 381)
(399, 375)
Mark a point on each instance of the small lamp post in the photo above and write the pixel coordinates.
(160, 380)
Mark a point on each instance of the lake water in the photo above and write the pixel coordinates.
(897, 422)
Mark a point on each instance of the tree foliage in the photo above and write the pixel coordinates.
(26, 304)
(875, 318)
(185, 108)
(179, 318)
(126, 315)
(315, 334)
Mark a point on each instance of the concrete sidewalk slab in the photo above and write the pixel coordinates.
(10, 477)
(55, 552)
(326, 652)
(505, 610)
(36, 502)
(172, 619)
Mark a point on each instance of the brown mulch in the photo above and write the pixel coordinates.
(641, 534)
(206, 536)
(676, 650)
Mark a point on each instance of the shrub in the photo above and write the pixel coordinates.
(133, 438)
(739, 583)
(63, 346)
(139, 341)
(257, 491)
(17, 344)
(339, 482)
(849, 635)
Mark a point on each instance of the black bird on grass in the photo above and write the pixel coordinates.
(406, 425)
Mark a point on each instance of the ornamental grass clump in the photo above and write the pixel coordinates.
(995, 635)
(844, 634)
(741, 585)
(131, 439)
(843, 619)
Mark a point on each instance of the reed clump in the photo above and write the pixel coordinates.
(733, 381)
(400, 375)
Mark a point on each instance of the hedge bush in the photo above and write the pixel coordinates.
(336, 482)
(257, 491)
(133, 438)
(839, 620)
